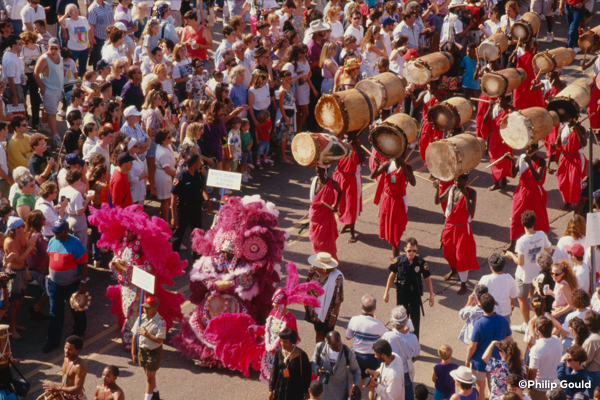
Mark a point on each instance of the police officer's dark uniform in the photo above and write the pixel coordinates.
(189, 189)
(409, 285)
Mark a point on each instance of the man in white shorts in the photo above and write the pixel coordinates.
(545, 9)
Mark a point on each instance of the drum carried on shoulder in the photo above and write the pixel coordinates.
(526, 27)
(394, 135)
(492, 48)
(4, 344)
(386, 88)
(449, 158)
(522, 128)
(428, 67)
(570, 101)
(310, 149)
(590, 40)
(550, 60)
(450, 114)
(51, 396)
(499, 83)
(346, 111)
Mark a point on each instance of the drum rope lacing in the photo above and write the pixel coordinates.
(371, 113)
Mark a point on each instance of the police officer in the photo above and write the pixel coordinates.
(189, 189)
(407, 272)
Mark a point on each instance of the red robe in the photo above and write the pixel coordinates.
(322, 230)
(348, 176)
(523, 96)
(442, 188)
(496, 149)
(593, 107)
(428, 134)
(392, 215)
(457, 237)
(372, 166)
(571, 169)
(529, 195)
(551, 138)
(482, 128)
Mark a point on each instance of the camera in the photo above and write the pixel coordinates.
(326, 376)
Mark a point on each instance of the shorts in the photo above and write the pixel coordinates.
(150, 359)
(246, 157)
(233, 165)
(323, 327)
(524, 288)
(439, 395)
(40, 279)
(17, 287)
(263, 147)
(50, 102)
(479, 375)
(542, 7)
(366, 361)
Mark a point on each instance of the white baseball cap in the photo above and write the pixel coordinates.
(131, 111)
(121, 26)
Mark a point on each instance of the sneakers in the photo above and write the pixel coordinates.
(252, 166)
(269, 162)
(57, 141)
(259, 165)
(550, 37)
(543, 17)
(62, 113)
(248, 176)
(519, 328)
(244, 178)
(577, 50)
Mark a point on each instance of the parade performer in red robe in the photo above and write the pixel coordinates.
(571, 168)
(457, 237)
(375, 161)
(524, 96)
(348, 176)
(427, 134)
(392, 215)
(483, 128)
(551, 86)
(593, 107)
(529, 195)
(442, 186)
(496, 146)
(326, 197)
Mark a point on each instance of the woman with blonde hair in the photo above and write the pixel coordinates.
(30, 53)
(140, 18)
(182, 62)
(188, 106)
(238, 92)
(565, 282)
(166, 83)
(151, 123)
(337, 29)
(574, 233)
(348, 75)
(274, 30)
(328, 66)
(117, 76)
(506, 21)
(370, 49)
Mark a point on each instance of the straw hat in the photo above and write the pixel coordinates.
(350, 64)
(463, 374)
(317, 26)
(323, 260)
(456, 3)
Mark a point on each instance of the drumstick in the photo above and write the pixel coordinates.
(474, 179)
(366, 150)
(584, 56)
(422, 177)
(498, 160)
(327, 205)
(482, 100)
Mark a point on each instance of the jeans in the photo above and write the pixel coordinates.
(81, 57)
(34, 98)
(17, 26)
(574, 17)
(58, 296)
(96, 53)
(409, 391)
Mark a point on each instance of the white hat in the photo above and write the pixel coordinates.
(456, 3)
(317, 26)
(463, 374)
(131, 111)
(322, 260)
(121, 26)
(131, 143)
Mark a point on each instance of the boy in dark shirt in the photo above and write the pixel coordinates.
(71, 141)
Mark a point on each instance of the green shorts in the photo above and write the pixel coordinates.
(150, 359)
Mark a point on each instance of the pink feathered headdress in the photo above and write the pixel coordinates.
(293, 293)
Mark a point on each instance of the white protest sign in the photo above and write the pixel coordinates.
(592, 234)
(224, 179)
(143, 280)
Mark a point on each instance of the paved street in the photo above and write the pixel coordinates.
(364, 265)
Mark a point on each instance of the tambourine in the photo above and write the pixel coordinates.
(53, 395)
(80, 302)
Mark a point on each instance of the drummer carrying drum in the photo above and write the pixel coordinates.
(74, 371)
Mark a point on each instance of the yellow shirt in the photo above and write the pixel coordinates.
(18, 152)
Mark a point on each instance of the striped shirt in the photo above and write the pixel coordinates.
(365, 330)
(101, 17)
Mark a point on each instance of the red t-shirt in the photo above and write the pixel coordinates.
(190, 33)
(120, 189)
(264, 131)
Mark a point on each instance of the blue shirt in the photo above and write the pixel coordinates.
(486, 330)
(238, 94)
(138, 134)
(101, 17)
(469, 65)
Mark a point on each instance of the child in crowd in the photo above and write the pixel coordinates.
(39, 27)
(90, 130)
(469, 82)
(444, 383)
(263, 136)
(580, 269)
(89, 78)
(235, 144)
(315, 390)
(472, 312)
(421, 392)
(571, 370)
(464, 380)
(287, 106)
(68, 65)
(513, 384)
(109, 388)
(211, 85)
(150, 38)
(246, 138)
(71, 139)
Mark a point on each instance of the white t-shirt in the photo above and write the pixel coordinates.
(262, 97)
(573, 314)
(110, 53)
(582, 273)
(265, 5)
(12, 66)
(458, 27)
(365, 330)
(529, 246)
(29, 15)
(545, 356)
(503, 288)
(78, 33)
(3, 162)
(491, 27)
(75, 199)
(357, 33)
(560, 253)
(337, 31)
(595, 302)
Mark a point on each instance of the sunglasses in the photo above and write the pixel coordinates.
(355, 19)
(559, 274)
(23, 125)
(411, 251)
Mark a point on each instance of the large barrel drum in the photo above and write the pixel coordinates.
(520, 129)
(526, 27)
(550, 60)
(449, 158)
(590, 40)
(450, 114)
(346, 111)
(310, 149)
(4, 345)
(492, 48)
(426, 68)
(570, 101)
(392, 137)
(499, 83)
(386, 88)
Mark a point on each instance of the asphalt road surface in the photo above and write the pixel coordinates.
(364, 265)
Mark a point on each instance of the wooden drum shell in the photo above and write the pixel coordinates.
(4, 344)
(520, 129)
(590, 40)
(346, 111)
(492, 48)
(550, 60)
(569, 102)
(450, 114)
(310, 149)
(386, 88)
(499, 83)
(526, 27)
(428, 67)
(394, 135)
(449, 158)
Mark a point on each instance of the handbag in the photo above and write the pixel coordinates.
(20, 386)
(409, 361)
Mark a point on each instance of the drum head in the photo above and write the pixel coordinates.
(329, 114)
(304, 149)
(375, 89)
(441, 160)
(389, 140)
(489, 51)
(520, 30)
(80, 301)
(443, 117)
(515, 130)
(566, 108)
(493, 85)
